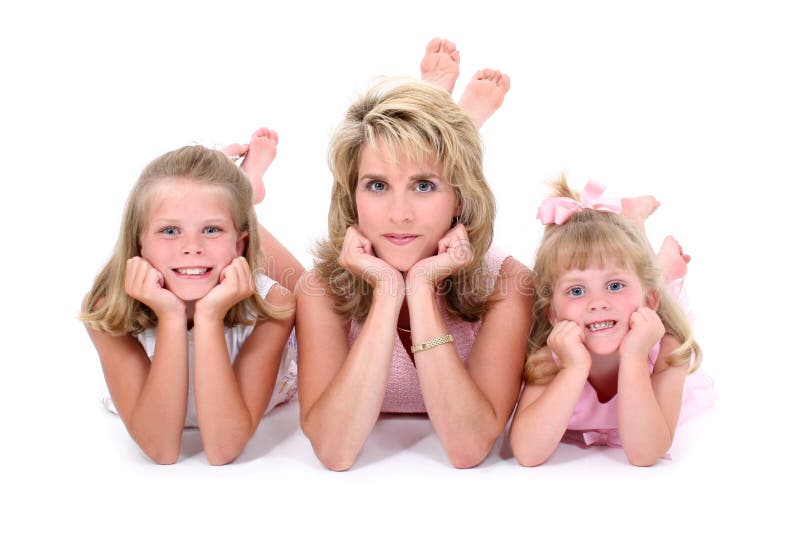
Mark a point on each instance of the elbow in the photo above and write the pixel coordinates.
(470, 456)
(642, 460)
(530, 460)
(222, 455)
(331, 452)
(163, 456)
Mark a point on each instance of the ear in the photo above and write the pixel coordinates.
(241, 243)
(652, 299)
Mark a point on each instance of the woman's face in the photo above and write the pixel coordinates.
(404, 207)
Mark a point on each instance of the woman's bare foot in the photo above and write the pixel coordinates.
(484, 94)
(638, 209)
(672, 260)
(261, 153)
(439, 65)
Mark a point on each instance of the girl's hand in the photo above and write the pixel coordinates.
(646, 329)
(358, 257)
(235, 285)
(454, 253)
(567, 341)
(145, 284)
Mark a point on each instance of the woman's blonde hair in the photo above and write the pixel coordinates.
(589, 236)
(420, 121)
(108, 308)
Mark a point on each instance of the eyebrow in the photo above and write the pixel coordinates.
(413, 177)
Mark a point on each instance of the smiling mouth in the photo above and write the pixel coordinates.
(193, 270)
(602, 325)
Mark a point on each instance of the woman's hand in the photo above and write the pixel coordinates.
(358, 257)
(646, 329)
(145, 284)
(567, 341)
(235, 285)
(454, 253)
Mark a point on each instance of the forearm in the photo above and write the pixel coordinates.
(341, 419)
(158, 417)
(539, 426)
(464, 419)
(225, 422)
(643, 429)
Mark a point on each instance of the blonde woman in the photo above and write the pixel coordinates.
(407, 309)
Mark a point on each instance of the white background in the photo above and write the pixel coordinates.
(694, 102)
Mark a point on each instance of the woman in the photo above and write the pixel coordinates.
(407, 309)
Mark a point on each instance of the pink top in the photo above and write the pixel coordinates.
(596, 423)
(403, 393)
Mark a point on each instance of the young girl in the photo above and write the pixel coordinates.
(185, 335)
(610, 349)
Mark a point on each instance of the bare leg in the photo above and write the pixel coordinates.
(260, 154)
(281, 265)
(484, 94)
(235, 150)
(672, 260)
(439, 65)
(638, 209)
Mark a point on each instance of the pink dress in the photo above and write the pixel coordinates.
(403, 393)
(595, 423)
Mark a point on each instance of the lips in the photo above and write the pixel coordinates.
(400, 239)
(600, 325)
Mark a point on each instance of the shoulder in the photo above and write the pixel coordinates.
(513, 279)
(280, 296)
(666, 347)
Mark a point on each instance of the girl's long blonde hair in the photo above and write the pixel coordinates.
(108, 308)
(418, 120)
(589, 236)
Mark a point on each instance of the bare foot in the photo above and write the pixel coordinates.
(261, 153)
(484, 94)
(235, 151)
(638, 209)
(672, 260)
(439, 65)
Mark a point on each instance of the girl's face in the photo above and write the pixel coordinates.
(404, 207)
(601, 299)
(189, 236)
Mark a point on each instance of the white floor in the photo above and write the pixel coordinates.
(692, 101)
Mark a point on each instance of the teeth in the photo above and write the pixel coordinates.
(196, 270)
(599, 326)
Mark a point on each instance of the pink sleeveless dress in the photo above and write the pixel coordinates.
(403, 393)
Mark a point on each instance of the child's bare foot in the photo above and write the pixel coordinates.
(263, 147)
(638, 209)
(484, 94)
(439, 65)
(672, 260)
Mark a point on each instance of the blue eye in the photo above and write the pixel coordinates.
(211, 230)
(169, 231)
(375, 185)
(576, 292)
(615, 286)
(425, 186)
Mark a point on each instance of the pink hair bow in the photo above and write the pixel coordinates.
(558, 210)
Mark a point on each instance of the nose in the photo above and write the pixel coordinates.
(598, 302)
(191, 247)
(400, 208)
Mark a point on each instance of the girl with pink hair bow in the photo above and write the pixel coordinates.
(612, 356)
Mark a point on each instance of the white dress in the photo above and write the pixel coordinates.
(235, 336)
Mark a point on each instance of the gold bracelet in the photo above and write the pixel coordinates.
(435, 342)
